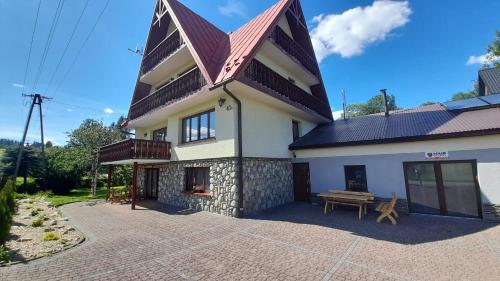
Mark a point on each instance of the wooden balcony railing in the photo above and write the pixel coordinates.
(266, 77)
(162, 51)
(287, 44)
(188, 83)
(135, 149)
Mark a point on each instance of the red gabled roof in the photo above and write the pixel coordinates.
(246, 40)
(202, 37)
(221, 56)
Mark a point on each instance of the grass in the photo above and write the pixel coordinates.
(4, 255)
(37, 223)
(50, 236)
(75, 195)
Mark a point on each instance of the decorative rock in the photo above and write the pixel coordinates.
(63, 219)
(24, 239)
(26, 217)
(53, 222)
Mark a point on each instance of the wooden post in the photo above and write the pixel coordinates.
(134, 185)
(110, 175)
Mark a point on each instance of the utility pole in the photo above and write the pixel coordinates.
(37, 99)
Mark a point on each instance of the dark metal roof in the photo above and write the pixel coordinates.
(426, 122)
(491, 78)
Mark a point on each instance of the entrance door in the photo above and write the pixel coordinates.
(301, 182)
(151, 188)
(443, 188)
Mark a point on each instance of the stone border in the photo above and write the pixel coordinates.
(64, 249)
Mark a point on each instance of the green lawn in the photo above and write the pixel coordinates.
(75, 195)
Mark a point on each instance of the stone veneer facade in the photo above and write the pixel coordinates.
(268, 183)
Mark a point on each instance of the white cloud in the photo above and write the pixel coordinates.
(233, 8)
(18, 85)
(337, 114)
(109, 111)
(69, 110)
(349, 33)
(482, 59)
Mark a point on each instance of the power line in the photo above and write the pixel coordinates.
(67, 45)
(48, 43)
(31, 44)
(82, 47)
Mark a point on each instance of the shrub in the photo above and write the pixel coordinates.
(7, 209)
(50, 236)
(37, 223)
(4, 255)
(34, 213)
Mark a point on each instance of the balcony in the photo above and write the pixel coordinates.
(166, 48)
(181, 87)
(266, 77)
(293, 49)
(135, 150)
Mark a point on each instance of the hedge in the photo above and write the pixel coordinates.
(7, 209)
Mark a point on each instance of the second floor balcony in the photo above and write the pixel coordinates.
(135, 150)
(188, 83)
(266, 77)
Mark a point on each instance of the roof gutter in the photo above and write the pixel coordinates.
(239, 212)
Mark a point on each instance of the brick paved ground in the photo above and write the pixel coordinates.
(296, 242)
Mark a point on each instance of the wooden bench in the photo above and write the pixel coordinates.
(119, 196)
(350, 198)
(388, 210)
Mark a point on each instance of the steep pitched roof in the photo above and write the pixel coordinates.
(426, 122)
(203, 38)
(245, 41)
(491, 78)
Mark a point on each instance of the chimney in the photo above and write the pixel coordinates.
(386, 102)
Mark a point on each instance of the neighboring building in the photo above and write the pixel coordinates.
(238, 123)
(437, 160)
(489, 81)
(208, 103)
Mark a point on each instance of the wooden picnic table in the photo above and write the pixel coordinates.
(350, 198)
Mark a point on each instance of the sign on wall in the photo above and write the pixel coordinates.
(437, 155)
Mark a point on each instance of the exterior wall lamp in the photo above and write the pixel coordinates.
(222, 101)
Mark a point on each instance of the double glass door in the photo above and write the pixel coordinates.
(443, 188)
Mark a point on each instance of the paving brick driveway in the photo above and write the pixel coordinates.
(295, 242)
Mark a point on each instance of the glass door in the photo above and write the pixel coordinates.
(443, 188)
(460, 190)
(152, 176)
(422, 188)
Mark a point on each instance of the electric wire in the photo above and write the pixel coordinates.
(67, 45)
(48, 43)
(81, 48)
(31, 45)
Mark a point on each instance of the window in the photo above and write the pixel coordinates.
(199, 127)
(355, 177)
(295, 130)
(160, 134)
(198, 180)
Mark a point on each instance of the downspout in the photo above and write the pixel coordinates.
(239, 212)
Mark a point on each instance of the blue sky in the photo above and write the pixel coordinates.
(418, 50)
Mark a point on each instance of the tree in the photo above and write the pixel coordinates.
(49, 144)
(468, 94)
(493, 52)
(86, 141)
(374, 105)
(30, 163)
(62, 171)
(124, 133)
(428, 103)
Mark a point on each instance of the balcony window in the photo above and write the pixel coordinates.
(198, 180)
(160, 134)
(199, 127)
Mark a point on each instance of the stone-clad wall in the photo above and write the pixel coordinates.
(267, 184)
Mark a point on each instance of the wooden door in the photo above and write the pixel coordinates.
(301, 182)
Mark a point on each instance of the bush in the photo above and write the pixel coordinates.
(4, 255)
(7, 209)
(50, 236)
(61, 173)
(37, 223)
